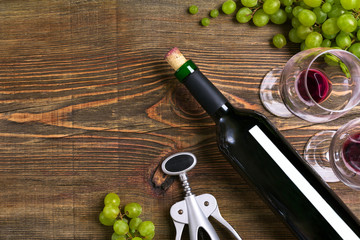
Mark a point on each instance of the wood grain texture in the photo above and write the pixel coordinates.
(88, 106)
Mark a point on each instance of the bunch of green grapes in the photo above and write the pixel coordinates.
(128, 225)
(315, 23)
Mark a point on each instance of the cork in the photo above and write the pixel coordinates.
(175, 58)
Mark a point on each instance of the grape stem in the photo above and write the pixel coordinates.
(252, 14)
(356, 14)
(316, 27)
(260, 2)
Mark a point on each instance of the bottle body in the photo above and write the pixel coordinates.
(267, 161)
(259, 153)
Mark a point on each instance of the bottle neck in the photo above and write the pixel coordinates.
(222, 111)
(209, 97)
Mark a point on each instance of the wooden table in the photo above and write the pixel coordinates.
(89, 106)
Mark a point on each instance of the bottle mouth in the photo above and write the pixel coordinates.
(175, 58)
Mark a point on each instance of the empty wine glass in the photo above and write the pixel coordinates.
(335, 155)
(317, 85)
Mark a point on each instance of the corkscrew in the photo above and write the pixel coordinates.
(194, 210)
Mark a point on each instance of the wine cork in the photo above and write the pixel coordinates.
(175, 58)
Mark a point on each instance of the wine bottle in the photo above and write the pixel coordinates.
(258, 152)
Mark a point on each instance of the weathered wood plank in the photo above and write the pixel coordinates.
(88, 106)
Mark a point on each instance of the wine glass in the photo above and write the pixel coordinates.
(317, 85)
(335, 155)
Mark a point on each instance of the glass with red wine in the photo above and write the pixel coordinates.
(335, 155)
(317, 85)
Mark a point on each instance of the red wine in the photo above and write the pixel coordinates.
(259, 153)
(351, 152)
(318, 85)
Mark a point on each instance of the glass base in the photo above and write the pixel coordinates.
(316, 153)
(270, 94)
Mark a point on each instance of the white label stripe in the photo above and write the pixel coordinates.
(303, 185)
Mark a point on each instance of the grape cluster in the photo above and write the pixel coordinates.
(128, 225)
(315, 23)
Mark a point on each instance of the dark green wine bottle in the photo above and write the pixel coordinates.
(258, 152)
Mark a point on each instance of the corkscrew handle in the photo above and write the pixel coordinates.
(179, 164)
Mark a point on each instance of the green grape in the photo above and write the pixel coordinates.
(296, 10)
(293, 36)
(287, 3)
(260, 18)
(348, 4)
(331, 59)
(111, 211)
(326, 43)
(345, 69)
(303, 5)
(149, 237)
(106, 221)
(330, 1)
(271, 6)
(137, 238)
(303, 31)
(205, 21)
(116, 236)
(347, 23)
(326, 7)
(112, 198)
(244, 15)
(343, 40)
(288, 9)
(125, 220)
(313, 40)
(279, 40)
(327, 36)
(146, 228)
(307, 17)
(121, 227)
(303, 46)
(193, 9)
(214, 13)
(330, 26)
(358, 23)
(134, 223)
(228, 7)
(355, 49)
(313, 3)
(249, 3)
(279, 17)
(295, 23)
(132, 210)
(320, 15)
(336, 11)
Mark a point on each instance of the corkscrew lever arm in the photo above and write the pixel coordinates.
(179, 228)
(216, 214)
(195, 211)
(189, 212)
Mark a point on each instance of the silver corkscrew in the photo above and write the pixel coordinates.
(194, 210)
